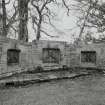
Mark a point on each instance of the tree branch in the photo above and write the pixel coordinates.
(48, 34)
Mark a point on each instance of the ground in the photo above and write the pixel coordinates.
(86, 90)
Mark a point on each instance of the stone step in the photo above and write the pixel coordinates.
(40, 77)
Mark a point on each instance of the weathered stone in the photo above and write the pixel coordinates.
(30, 55)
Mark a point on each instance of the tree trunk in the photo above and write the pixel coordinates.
(1, 18)
(38, 32)
(23, 16)
(39, 28)
(4, 31)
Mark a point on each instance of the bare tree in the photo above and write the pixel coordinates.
(7, 22)
(44, 15)
(92, 15)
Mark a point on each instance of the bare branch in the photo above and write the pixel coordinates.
(37, 8)
(66, 6)
(7, 2)
(12, 19)
(84, 23)
(48, 34)
(44, 15)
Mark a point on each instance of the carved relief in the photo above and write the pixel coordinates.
(51, 55)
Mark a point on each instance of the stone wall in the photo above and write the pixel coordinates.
(24, 58)
(30, 55)
(37, 52)
(75, 55)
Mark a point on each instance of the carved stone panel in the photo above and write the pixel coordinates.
(51, 55)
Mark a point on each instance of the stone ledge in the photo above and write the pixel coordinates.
(37, 79)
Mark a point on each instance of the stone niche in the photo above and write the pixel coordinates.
(88, 56)
(51, 55)
(13, 56)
